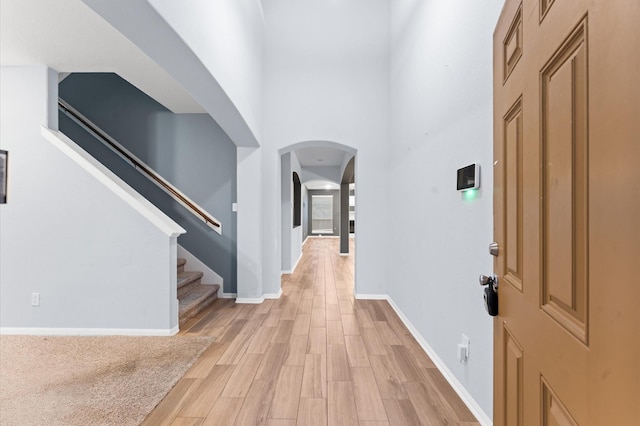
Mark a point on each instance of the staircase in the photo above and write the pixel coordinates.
(192, 294)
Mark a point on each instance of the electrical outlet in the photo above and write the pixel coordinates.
(465, 341)
(463, 355)
(463, 350)
(35, 299)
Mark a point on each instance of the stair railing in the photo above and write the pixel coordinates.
(140, 166)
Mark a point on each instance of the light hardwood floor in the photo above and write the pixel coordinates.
(315, 356)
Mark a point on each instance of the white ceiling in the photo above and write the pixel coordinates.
(330, 157)
(321, 184)
(68, 36)
(313, 157)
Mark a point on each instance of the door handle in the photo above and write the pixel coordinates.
(489, 280)
(490, 293)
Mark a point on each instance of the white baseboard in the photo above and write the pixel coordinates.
(194, 264)
(250, 300)
(227, 295)
(273, 295)
(258, 300)
(291, 271)
(297, 262)
(462, 392)
(40, 331)
(361, 296)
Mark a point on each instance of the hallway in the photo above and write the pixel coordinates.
(315, 356)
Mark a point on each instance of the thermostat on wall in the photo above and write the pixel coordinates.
(469, 177)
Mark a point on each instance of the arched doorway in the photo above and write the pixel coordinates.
(326, 173)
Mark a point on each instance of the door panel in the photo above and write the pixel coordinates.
(513, 44)
(553, 412)
(513, 380)
(567, 212)
(513, 195)
(565, 184)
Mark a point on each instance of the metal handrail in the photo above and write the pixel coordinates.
(112, 144)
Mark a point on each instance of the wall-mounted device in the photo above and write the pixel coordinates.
(469, 177)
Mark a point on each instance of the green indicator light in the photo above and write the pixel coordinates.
(470, 194)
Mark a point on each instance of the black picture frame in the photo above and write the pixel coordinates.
(4, 163)
(297, 200)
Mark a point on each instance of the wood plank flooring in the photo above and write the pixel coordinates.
(313, 357)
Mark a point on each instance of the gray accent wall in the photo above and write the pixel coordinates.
(189, 150)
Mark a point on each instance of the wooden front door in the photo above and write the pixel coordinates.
(567, 212)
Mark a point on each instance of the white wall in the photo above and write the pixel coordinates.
(141, 23)
(249, 167)
(286, 196)
(330, 173)
(296, 233)
(98, 263)
(227, 36)
(326, 79)
(291, 248)
(441, 120)
(232, 54)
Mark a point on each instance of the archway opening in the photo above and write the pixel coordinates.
(327, 198)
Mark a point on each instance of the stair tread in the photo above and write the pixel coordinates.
(193, 296)
(197, 298)
(198, 291)
(181, 262)
(187, 277)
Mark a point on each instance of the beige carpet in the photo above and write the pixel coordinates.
(89, 380)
